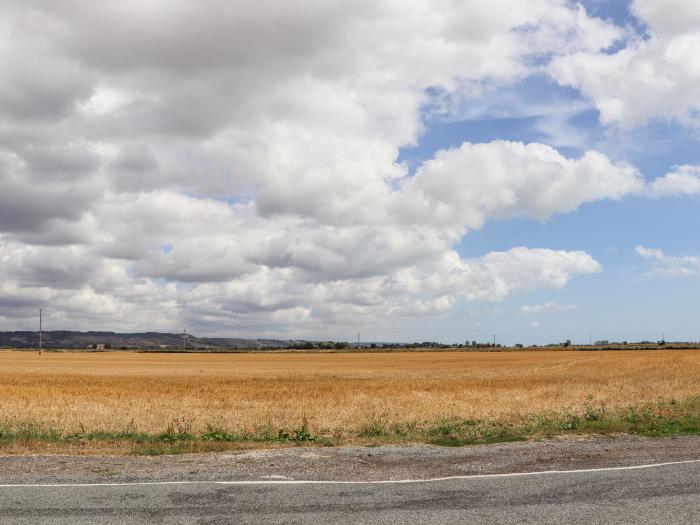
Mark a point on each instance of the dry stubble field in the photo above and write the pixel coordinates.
(72, 392)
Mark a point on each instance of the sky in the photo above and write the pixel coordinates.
(406, 170)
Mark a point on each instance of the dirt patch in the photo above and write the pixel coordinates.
(355, 463)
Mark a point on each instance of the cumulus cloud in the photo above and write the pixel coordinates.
(549, 307)
(683, 180)
(669, 265)
(649, 77)
(467, 185)
(278, 296)
(259, 143)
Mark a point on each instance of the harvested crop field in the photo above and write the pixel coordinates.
(72, 392)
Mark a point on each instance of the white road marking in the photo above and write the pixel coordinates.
(367, 482)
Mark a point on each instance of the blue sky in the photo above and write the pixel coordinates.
(623, 302)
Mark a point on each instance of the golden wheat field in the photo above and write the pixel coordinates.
(108, 391)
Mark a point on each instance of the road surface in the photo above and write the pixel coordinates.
(662, 493)
(592, 482)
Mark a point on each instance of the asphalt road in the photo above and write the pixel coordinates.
(667, 493)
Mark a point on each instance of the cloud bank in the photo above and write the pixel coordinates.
(234, 167)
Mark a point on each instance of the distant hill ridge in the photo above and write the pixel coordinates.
(137, 340)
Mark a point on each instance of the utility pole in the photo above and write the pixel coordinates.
(40, 334)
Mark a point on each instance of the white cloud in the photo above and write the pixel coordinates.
(669, 265)
(668, 17)
(654, 77)
(683, 180)
(549, 307)
(467, 185)
(426, 289)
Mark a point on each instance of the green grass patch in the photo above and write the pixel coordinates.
(29, 432)
(663, 418)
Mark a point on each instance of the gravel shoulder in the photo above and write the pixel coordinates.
(354, 463)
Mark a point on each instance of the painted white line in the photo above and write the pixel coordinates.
(367, 482)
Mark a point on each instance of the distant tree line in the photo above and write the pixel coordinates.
(322, 345)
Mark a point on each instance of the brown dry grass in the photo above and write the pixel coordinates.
(108, 391)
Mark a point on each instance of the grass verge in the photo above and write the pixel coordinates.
(663, 418)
